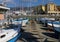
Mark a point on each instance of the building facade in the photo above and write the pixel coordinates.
(50, 8)
(3, 11)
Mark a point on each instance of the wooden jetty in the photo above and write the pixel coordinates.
(36, 16)
(33, 32)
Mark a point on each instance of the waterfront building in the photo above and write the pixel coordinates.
(51, 8)
(3, 15)
(42, 9)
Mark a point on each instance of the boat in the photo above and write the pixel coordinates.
(22, 21)
(43, 20)
(12, 31)
(17, 21)
(3, 15)
(10, 34)
(54, 23)
(50, 22)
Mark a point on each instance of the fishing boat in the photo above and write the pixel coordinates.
(43, 20)
(10, 34)
(54, 23)
(12, 31)
(22, 21)
(17, 21)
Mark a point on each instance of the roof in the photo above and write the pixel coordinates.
(3, 7)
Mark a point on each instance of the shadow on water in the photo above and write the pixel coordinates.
(27, 37)
(53, 35)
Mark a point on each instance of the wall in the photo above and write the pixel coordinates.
(1, 16)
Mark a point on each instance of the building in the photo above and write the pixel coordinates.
(58, 7)
(3, 11)
(42, 9)
(50, 8)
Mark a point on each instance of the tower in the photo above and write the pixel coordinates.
(51, 6)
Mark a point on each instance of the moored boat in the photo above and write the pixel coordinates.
(54, 23)
(10, 34)
(22, 21)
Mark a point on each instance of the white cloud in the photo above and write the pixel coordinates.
(29, 0)
(7, 0)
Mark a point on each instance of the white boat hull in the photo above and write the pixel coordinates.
(9, 34)
(55, 24)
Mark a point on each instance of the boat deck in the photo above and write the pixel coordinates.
(35, 32)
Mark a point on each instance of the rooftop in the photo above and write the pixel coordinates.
(4, 7)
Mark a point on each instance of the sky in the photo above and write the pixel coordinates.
(27, 3)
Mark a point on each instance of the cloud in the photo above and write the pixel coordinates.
(29, 0)
(6, 0)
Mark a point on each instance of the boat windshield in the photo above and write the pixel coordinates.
(18, 19)
(11, 26)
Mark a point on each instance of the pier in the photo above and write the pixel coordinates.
(36, 16)
(35, 32)
(29, 21)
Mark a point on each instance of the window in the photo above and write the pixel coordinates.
(2, 36)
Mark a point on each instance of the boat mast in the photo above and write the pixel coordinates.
(42, 2)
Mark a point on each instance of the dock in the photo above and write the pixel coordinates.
(34, 32)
